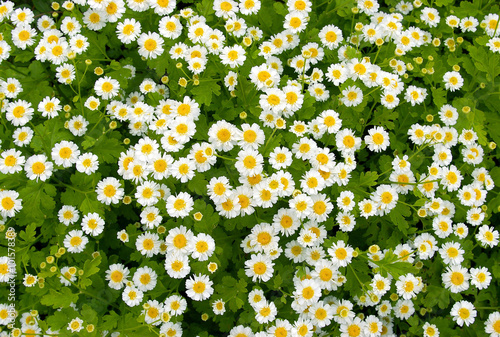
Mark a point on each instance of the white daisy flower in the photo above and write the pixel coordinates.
(117, 276)
(68, 215)
(463, 312)
(75, 241)
(199, 287)
(106, 87)
(92, 224)
(65, 153)
(132, 296)
(38, 167)
(145, 278)
(259, 267)
(179, 205)
(87, 163)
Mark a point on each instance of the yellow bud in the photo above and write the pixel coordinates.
(198, 216)
(98, 71)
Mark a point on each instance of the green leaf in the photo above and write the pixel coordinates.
(307, 111)
(23, 56)
(384, 117)
(81, 193)
(437, 295)
(203, 92)
(60, 318)
(280, 8)
(38, 202)
(115, 65)
(484, 61)
(232, 291)
(88, 142)
(28, 235)
(89, 268)
(277, 281)
(441, 3)
(439, 96)
(153, 98)
(466, 9)
(37, 70)
(198, 184)
(397, 216)
(48, 134)
(273, 143)
(89, 315)
(205, 7)
(59, 299)
(357, 276)
(108, 148)
(477, 120)
(368, 178)
(209, 220)
(98, 41)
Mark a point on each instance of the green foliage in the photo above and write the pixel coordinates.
(36, 234)
(59, 299)
(38, 202)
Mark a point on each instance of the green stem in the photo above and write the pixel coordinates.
(227, 158)
(268, 140)
(79, 87)
(87, 293)
(240, 82)
(357, 278)
(376, 55)
(97, 123)
(71, 187)
(13, 68)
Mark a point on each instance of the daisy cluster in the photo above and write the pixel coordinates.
(291, 170)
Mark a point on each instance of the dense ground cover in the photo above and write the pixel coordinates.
(249, 168)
